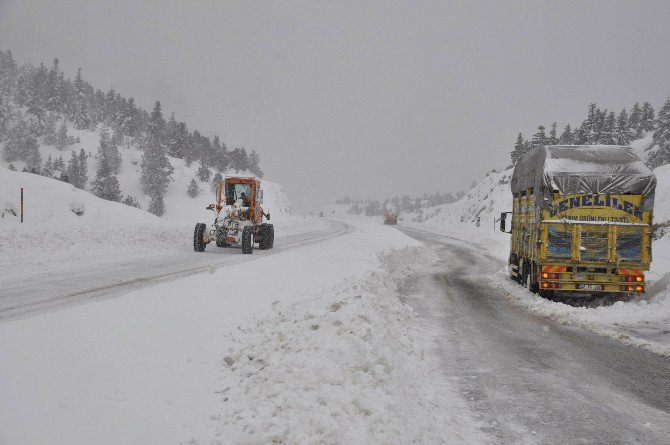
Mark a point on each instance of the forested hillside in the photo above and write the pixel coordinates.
(43, 114)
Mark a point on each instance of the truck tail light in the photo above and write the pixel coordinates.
(632, 278)
(548, 285)
(633, 288)
(552, 276)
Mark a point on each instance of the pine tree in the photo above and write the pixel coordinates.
(609, 132)
(33, 156)
(157, 205)
(156, 174)
(203, 173)
(222, 161)
(634, 121)
(59, 165)
(623, 134)
(131, 201)
(11, 167)
(553, 140)
(73, 171)
(109, 151)
(193, 189)
(539, 138)
(519, 148)
(47, 170)
(660, 151)
(61, 137)
(105, 185)
(83, 168)
(581, 135)
(647, 119)
(255, 164)
(156, 125)
(566, 137)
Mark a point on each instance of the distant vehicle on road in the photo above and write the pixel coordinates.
(581, 220)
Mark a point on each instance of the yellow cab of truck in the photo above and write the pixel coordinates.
(581, 220)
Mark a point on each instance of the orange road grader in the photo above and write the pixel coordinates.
(239, 218)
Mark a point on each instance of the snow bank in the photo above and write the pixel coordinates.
(642, 322)
(351, 366)
(52, 202)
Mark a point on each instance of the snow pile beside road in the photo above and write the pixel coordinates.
(642, 322)
(350, 366)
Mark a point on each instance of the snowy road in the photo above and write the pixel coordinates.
(527, 379)
(67, 282)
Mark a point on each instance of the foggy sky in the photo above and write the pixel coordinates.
(368, 99)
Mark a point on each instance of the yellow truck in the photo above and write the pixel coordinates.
(581, 220)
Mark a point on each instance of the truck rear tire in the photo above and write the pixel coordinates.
(248, 240)
(199, 237)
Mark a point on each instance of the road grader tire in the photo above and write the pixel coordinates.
(248, 240)
(266, 236)
(271, 233)
(198, 237)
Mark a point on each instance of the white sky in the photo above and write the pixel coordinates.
(369, 99)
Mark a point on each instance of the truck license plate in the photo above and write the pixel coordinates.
(590, 286)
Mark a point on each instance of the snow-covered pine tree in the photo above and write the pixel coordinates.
(203, 173)
(193, 189)
(156, 125)
(608, 135)
(623, 134)
(581, 134)
(539, 138)
(80, 115)
(4, 117)
(648, 119)
(47, 170)
(13, 149)
(215, 181)
(73, 170)
(660, 150)
(11, 167)
(62, 137)
(83, 168)
(131, 201)
(519, 147)
(105, 185)
(156, 172)
(222, 161)
(59, 164)
(33, 155)
(566, 137)
(553, 139)
(109, 151)
(157, 205)
(634, 121)
(255, 164)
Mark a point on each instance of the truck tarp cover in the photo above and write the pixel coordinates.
(571, 169)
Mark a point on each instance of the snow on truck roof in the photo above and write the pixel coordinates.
(570, 169)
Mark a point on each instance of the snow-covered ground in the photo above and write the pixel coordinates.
(308, 344)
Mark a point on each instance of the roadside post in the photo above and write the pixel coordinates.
(21, 205)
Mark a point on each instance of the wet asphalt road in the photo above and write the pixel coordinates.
(526, 379)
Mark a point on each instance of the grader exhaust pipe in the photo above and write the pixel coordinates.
(219, 190)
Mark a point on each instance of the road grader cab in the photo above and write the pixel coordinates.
(238, 218)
